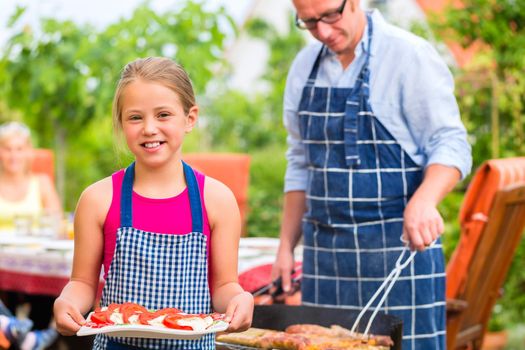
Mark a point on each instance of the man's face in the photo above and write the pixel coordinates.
(341, 36)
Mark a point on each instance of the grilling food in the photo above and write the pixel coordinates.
(131, 313)
(307, 337)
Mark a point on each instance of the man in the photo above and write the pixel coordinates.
(375, 143)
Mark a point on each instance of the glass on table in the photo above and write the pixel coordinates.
(23, 225)
(49, 225)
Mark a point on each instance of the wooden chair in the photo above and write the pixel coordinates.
(232, 169)
(44, 162)
(492, 221)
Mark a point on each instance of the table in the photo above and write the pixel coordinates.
(36, 265)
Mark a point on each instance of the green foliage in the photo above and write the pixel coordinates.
(498, 24)
(42, 78)
(491, 94)
(238, 122)
(244, 123)
(283, 48)
(62, 78)
(266, 194)
(492, 88)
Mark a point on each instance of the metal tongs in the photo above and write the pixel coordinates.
(277, 283)
(387, 284)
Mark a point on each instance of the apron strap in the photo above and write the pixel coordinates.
(356, 103)
(315, 69)
(195, 198)
(357, 100)
(126, 208)
(125, 197)
(364, 75)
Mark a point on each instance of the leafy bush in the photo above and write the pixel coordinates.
(266, 192)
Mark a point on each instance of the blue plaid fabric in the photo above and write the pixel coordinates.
(159, 270)
(359, 182)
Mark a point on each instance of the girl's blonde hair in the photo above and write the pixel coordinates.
(154, 69)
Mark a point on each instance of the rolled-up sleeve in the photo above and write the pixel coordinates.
(432, 112)
(296, 172)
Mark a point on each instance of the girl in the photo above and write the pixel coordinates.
(166, 235)
(28, 195)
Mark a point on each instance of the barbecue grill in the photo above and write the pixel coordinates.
(280, 316)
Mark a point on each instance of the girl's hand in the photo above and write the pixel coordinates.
(67, 317)
(240, 312)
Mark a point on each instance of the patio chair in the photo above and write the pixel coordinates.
(492, 220)
(44, 162)
(232, 169)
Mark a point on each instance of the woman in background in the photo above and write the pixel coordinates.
(24, 194)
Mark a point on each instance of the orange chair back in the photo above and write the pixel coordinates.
(492, 176)
(492, 221)
(44, 162)
(232, 169)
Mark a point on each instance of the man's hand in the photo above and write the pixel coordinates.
(422, 223)
(283, 267)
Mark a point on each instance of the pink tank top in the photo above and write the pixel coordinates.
(166, 215)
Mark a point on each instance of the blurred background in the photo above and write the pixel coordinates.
(60, 60)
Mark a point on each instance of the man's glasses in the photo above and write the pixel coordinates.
(329, 18)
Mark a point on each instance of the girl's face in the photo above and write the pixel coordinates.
(15, 154)
(154, 123)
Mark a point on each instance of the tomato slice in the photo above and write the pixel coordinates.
(100, 318)
(129, 309)
(217, 316)
(148, 315)
(168, 311)
(112, 307)
(145, 317)
(109, 309)
(171, 321)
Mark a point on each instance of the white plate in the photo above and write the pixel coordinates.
(145, 331)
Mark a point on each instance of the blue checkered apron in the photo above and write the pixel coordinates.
(359, 182)
(158, 270)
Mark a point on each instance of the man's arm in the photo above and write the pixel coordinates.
(291, 231)
(432, 115)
